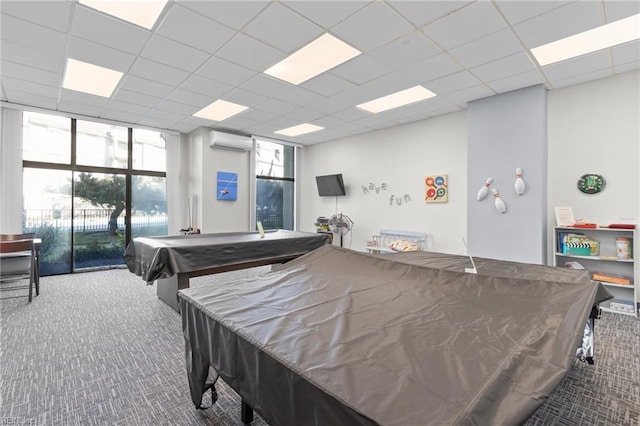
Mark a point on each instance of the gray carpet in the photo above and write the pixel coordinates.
(99, 348)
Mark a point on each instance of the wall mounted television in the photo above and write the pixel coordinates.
(330, 185)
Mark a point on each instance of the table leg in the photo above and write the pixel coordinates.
(246, 413)
(167, 289)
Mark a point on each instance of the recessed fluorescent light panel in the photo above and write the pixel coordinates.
(398, 99)
(220, 110)
(144, 13)
(320, 55)
(298, 130)
(608, 35)
(88, 78)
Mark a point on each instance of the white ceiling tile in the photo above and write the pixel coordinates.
(158, 72)
(361, 69)
(183, 127)
(470, 94)
(351, 114)
(407, 50)
(120, 116)
(423, 12)
(327, 121)
(166, 115)
(224, 71)
(244, 97)
(280, 27)
(72, 97)
(232, 13)
(174, 54)
(432, 68)
(582, 78)
(371, 27)
(464, 25)
(125, 107)
(250, 53)
(329, 105)
(29, 87)
(32, 99)
(238, 121)
(147, 87)
(299, 96)
(326, 13)
(561, 22)
(79, 108)
(205, 86)
(188, 97)
(32, 57)
(50, 14)
(193, 29)
(304, 115)
(619, 9)
(629, 66)
(266, 85)
(452, 83)
(135, 98)
(390, 83)
(23, 72)
(354, 96)
(92, 25)
(93, 53)
(432, 104)
(258, 115)
(327, 84)
(520, 10)
(576, 66)
(351, 128)
(179, 108)
(154, 122)
(275, 106)
(511, 65)
(33, 36)
(627, 52)
(518, 81)
(486, 49)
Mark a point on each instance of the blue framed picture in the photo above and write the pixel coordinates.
(227, 186)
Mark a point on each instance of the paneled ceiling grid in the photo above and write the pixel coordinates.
(201, 51)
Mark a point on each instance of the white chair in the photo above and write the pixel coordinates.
(18, 263)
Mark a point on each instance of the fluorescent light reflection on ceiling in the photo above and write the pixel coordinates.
(144, 13)
(398, 99)
(220, 110)
(88, 78)
(608, 35)
(320, 55)
(298, 130)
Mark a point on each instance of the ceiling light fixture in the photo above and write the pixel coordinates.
(88, 78)
(143, 13)
(319, 56)
(298, 130)
(608, 35)
(398, 99)
(220, 110)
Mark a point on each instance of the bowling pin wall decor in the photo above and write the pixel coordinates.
(499, 202)
(484, 190)
(519, 185)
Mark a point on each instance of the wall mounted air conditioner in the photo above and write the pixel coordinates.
(229, 141)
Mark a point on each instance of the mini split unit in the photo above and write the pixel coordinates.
(229, 141)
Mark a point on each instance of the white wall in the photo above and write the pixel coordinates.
(215, 215)
(11, 171)
(399, 157)
(595, 128)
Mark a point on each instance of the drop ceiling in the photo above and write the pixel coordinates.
(201, 51)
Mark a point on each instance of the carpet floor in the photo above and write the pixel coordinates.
(100, 348)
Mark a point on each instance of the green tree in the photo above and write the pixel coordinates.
(106, 193)
(109, 194)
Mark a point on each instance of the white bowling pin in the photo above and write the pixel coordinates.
(484, 190)
(499, 202)
(519, 185)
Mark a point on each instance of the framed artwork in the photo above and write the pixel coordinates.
(436, 189)
(227, 186)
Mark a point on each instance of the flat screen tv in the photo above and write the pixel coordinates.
(330, 185)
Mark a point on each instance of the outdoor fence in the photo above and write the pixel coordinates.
(88, 220)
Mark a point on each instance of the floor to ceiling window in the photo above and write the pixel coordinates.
(275, 185)
(88, 188)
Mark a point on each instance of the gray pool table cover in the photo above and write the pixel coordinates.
(341, 337)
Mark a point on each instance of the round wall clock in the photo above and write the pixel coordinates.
(591, 183)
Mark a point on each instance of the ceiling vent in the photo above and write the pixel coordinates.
(229, 141)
